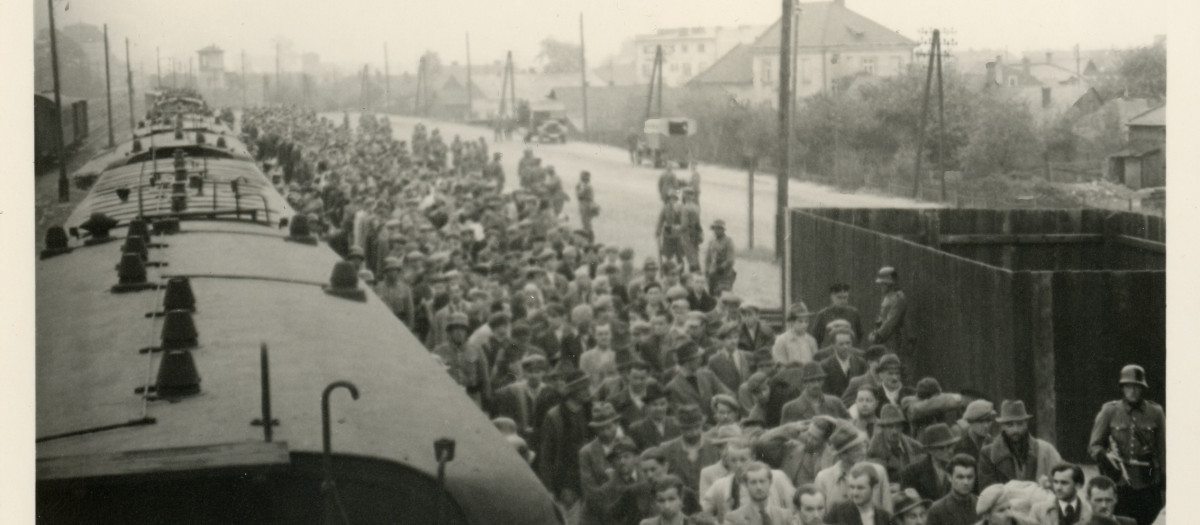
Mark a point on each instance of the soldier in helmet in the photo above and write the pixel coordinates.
(1128, 442)
(889, 326)
(586, 197)
(465, 363)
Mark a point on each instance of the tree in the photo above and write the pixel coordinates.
(74, 70)
(1003, 138)
(559, 57)
(1143, 72)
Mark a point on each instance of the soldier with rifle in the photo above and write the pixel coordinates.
(1128, 442)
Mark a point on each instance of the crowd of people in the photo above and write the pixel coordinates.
(653, 394)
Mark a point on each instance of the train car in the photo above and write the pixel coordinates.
(206, 361)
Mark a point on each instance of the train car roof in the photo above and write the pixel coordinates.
(252, 287)
(255, 192)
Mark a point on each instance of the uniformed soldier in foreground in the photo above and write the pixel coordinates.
(1128, 443)
(586, 197)
(718, 260)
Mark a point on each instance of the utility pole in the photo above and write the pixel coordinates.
(941, 118)
(112, 142)
(157, 68)
(278, 86)
(785, 101)
(129, 86)
(244, 79)
(470, 97)
(933, 50)
(387, 80)
(504, 87)
(583, 76)
(64, 186)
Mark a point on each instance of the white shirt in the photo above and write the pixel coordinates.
(718, 500)
(791, 348)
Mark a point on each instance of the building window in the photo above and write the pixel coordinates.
(868, 65)
(766, 72)
(687, 70)
(699, 48)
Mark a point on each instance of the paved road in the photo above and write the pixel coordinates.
(628, 198)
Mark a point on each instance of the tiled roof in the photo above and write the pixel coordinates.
(736, 67)
(831, 24)
(1153, 117)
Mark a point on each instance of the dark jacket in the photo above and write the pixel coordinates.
(689, 471)
(646, 435)
(680, 391)
(836, 380)
(845, 513)
(757, 339)
(953, 510)
(722, 365)
(923, 477)
(569, 347)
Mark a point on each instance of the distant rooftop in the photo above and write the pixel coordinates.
(832, 24)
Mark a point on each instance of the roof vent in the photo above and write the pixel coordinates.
(298, 231)
(343, 282)
(136, 244)
(123, 194)
(98, 226)
(137, 146)
(177, 375)
(56, 242)
(179, 134)
(179, 295)
(221, 142)
(138, 228)
(131, 275)
(200, 138)
(179, 331)
(178, 196)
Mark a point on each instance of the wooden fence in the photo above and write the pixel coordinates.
(1039, 305)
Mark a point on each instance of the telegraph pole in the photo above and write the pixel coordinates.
(583, 76)
(470, 97)
(129, 85)
(244, 79)
(112, 142)
(64, 186)
(157, 67)
(933, 49)
(387, 80)
(785, 101)
(278, 86)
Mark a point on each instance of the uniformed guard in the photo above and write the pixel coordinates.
(669, 230)
(691, 230)
(465, 363)
(889, 325)
(718, 260)
(667, 184)
(1128, 443)
(587, 201)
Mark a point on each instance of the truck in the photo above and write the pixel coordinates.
(666, 141)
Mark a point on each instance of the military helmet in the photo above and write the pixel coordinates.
(887, 275)
(1133, 375)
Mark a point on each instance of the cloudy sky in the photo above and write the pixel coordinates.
(353, 31)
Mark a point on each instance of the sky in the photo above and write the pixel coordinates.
(354, 31)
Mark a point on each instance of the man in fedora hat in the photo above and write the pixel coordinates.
(718, 260)
(890, 446)
(689, 453)
(958, 506)
(1128, 442)
(813, 401)
(909, 508)
(623, 455)
(395, 293)
(692, 383)
(657, 426)
(594, 468)
(850, 445)
(563, 432)
(1015, 454)
(931, 476)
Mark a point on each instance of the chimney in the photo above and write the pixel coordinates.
(1049, 57)
(1045, 96)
